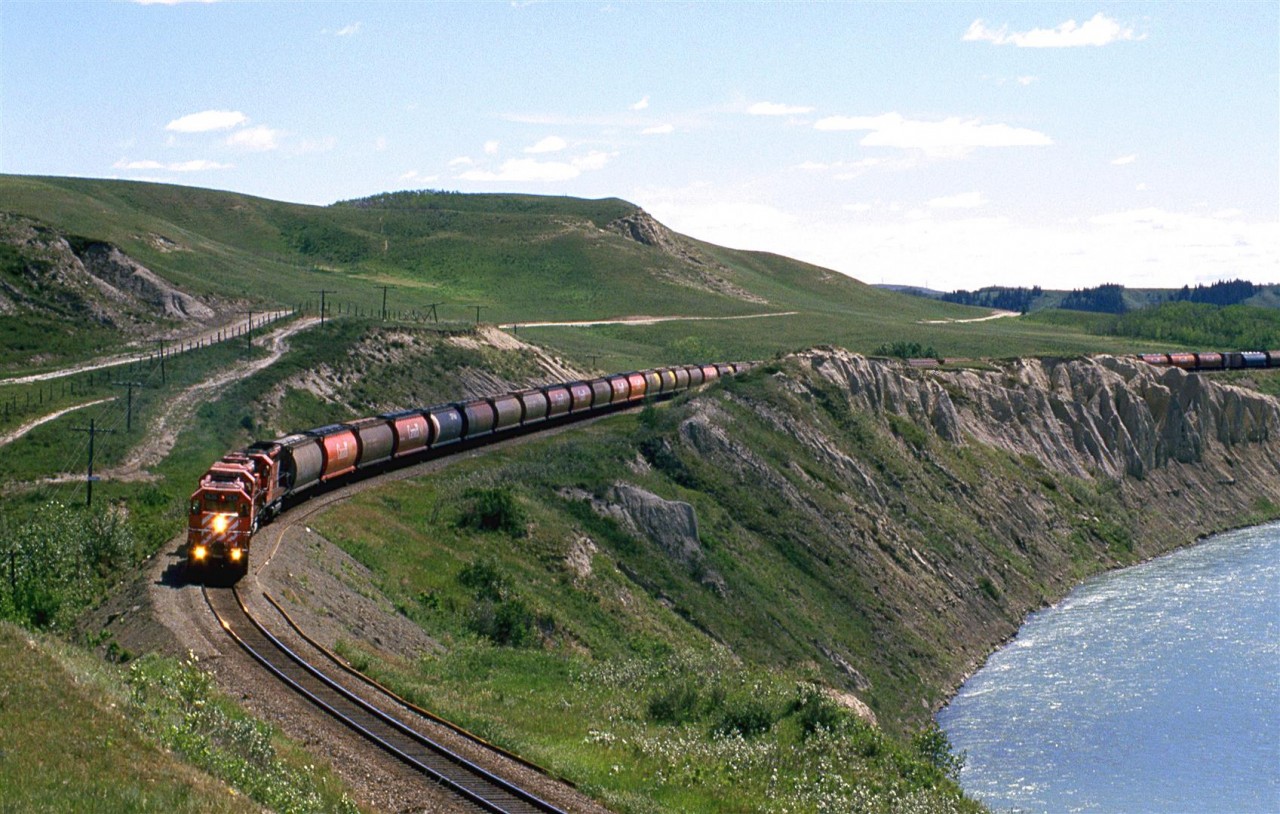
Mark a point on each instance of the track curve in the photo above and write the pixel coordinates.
(482, 789)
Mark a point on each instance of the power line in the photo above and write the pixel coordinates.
(128, 422)
(322, 292)
(89, 479)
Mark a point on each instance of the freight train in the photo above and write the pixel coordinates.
(249, 487)
(1213, 360)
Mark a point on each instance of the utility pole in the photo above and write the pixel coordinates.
(248, 333)
(163, 380)
(384, 302)
(89, 479)
(128, 416)
(477, 307)
(322, 292)
(432, 306)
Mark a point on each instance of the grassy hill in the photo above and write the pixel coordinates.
(522, 259)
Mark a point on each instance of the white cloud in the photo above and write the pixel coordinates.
(643, 104)
(658, 130)
(258, 139)
(348, 30)
(531, 170)
(380, 143)
(206, 121)
(1124, 159)
(461, 161)
(950, 138)
(965, 200)
(491, 147)
(550, 144)
(419, 177)
(776, 109)
(878, 240)
(196, 165)
(1099, 30)
(1025, 80)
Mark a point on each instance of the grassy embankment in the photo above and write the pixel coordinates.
(78, 734)
(664, 684)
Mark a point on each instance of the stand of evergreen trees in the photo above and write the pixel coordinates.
(1007, 299)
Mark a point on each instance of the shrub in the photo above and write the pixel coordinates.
(934, 748)
(676, 704)
(813, 710)
(745, 715)
(494, 510)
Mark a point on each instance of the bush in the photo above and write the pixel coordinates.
(483, 579)
(814, 711)
(745, 715)
(508, 624)
(933, 747)
(676, 704)
(494, 510)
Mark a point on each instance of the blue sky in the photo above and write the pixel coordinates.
(952, 145)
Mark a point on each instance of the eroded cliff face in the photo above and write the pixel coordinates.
(936, 508)
(49, 272)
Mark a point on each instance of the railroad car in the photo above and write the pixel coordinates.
(1214, 360)
(249, 487)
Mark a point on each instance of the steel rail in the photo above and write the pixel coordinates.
(466, 779)
(381, 688)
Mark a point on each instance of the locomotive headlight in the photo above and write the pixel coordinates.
(220, 522)
(236, 554)
(199, 552)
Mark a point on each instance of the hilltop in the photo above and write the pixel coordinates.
(205, 255)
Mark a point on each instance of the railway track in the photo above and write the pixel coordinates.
(481, 788)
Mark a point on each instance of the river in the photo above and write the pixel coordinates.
(1151, 689)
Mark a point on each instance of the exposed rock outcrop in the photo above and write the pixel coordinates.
(90, 280)
(689, 266)
(936, 508)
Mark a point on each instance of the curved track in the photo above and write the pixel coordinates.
(486, 791)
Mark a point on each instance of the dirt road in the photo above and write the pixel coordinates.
(639, 320)
(205, 337)
(162, 434)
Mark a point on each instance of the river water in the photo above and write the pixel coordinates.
(1151, 689)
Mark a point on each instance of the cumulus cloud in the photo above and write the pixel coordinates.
(642, 104)
(550, 144)
(658, 130)
(776, 109)
(532, 170)
(491, 147)
(258, 139)
(965, 200)
(206, 121)
(950, 138)
(196, 165)
(1124, 159)
(348, 30)
(1097, 31)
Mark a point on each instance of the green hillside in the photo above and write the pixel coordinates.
(521, 259)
